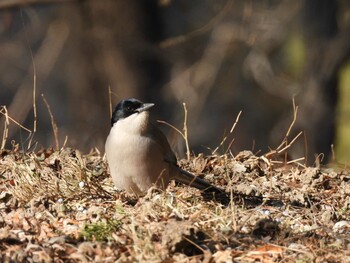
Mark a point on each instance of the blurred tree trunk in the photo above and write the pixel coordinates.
(319, 95)
(117, 48)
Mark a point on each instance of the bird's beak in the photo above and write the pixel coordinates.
(145, 106)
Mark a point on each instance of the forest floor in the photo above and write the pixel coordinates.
(60, 206)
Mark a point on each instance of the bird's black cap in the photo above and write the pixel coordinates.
(127, 107)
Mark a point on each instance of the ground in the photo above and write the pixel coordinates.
(60, 206)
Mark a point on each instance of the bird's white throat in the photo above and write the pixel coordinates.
(133, 124)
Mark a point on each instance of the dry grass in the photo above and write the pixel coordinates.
(60, 206)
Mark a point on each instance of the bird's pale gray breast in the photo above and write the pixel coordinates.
(135, 161)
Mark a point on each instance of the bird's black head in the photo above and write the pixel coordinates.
(127, 107)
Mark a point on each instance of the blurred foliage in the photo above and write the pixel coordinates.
(294, 55)
(342, 149)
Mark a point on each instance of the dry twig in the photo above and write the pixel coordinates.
(53, 123)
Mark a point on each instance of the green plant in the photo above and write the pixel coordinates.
(101, 231)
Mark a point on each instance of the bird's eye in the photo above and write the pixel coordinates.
(129, 108)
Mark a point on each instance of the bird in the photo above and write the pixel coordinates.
(139, 155)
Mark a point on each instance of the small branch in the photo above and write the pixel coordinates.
(34, 80)
(289, 144)
(170, 42)
(295, 114)
(110, 101)
(53, 123)
(171, 126)
(285, 145)
(296, 160)
(4, 4)
(6, 129)
(185, 133)
(231, 131)
(13, 120)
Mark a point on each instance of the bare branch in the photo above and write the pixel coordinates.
(4, 4)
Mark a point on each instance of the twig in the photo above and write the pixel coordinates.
(34, 80)
(18, 3)
(306, 148)
(295, 114)
(171, 126)
(195, 33)
(185, 133)
(297, 160)
(279, 151)
(333, 152)
(194, 244)
(13, 120)
(289, 144)
(53, 123)
(231, 131)
(284, 146)
(6, 130)
(110, 101)
(233, 208)
(45, 59)
(65, 142)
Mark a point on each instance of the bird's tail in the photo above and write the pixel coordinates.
(185, 177)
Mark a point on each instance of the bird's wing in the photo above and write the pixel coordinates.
(159, 137)
(178, 174)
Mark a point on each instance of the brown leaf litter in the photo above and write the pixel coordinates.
(60, 206)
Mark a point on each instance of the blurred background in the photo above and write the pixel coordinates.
(67, 61)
